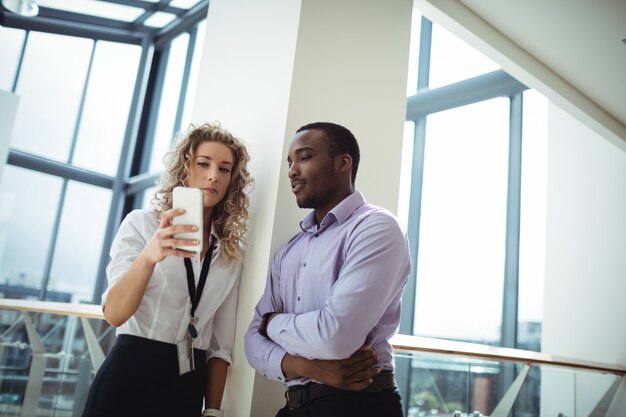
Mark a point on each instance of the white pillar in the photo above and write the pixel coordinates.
(270, 67)
(8, 110)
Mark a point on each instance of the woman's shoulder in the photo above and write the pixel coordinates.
(141, 219)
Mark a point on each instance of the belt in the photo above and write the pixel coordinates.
(299, 395)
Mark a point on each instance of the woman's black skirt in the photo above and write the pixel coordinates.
(140, 377)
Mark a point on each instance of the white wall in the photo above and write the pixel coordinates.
(270, 67)
(585, 282)
(8, 109)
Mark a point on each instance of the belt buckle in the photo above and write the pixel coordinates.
(297, 396)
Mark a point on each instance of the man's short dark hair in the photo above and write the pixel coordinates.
(341, 141)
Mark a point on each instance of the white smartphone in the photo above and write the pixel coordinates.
(192, 200)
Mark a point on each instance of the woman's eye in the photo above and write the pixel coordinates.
(224, 170)
(203, 164)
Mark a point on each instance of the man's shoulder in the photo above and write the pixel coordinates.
(375, 214)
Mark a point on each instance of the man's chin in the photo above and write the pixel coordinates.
(303, 203)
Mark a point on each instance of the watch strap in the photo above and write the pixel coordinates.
(212, 412)
(264, 322)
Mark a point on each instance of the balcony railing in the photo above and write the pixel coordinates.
(49, 352)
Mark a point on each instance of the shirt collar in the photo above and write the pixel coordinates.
(340, 213)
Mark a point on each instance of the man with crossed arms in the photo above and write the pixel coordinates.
(332, 298)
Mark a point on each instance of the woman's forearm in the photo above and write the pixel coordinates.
(217, 371)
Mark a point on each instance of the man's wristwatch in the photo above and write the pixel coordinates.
(263, 325)
(212, 412)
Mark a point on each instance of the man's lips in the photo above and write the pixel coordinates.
(296, 186)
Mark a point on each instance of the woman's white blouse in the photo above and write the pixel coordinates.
(164, 310)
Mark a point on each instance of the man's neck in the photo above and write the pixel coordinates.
(321, 212)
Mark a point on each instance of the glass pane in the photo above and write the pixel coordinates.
(81, 231)
(159, 19)
(146, 198)
(50, 86)
(443, 385)
(28, 202)
(453, 60)
(11, 41)
(164, 131)
(405, 173)
(462, 226)
(66, 371)
(107, 103)
(95, 8)
(184, 4)
(558, 389)
(416, 25)
(533, 220)
(193, 76)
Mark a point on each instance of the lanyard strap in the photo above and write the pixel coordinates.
(194, 295)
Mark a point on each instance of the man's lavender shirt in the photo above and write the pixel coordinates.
(338, 286)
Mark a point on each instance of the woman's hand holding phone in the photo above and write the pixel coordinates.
(164, 243)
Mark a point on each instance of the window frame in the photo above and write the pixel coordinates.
(131, 177)
(428, 101)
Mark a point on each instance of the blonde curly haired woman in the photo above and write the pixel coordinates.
(152, 300)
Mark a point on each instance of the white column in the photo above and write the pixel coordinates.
(8, 109)
(270, 67)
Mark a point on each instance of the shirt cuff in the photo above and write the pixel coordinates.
(274, 327)
(222, 354)
(274, 365)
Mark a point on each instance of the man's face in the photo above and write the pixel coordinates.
(312, 170)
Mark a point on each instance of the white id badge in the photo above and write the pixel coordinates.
(185, 357)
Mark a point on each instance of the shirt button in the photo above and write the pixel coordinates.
(298, 298)
(304, 264)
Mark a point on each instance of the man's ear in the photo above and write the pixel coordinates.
(345, 163)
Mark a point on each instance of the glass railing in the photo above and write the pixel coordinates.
(456, 379)
(49, 353)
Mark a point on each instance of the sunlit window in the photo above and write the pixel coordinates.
(533, 217)
(50, 87)
(105, 115)
(454, 60)
(462, 227)
(11, 41)
(28, 207)
(82, 225)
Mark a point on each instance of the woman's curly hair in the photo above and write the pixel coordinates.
(231, 214)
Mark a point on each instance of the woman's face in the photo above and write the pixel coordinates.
(211, 171)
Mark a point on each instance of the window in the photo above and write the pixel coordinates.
(463, 219)
(107, 103)
(473, 201)
(102, 87)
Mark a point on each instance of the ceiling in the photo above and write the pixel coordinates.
(579, 45)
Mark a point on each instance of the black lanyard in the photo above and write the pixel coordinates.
(194, 295)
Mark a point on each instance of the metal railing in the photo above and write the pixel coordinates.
(40, 332)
